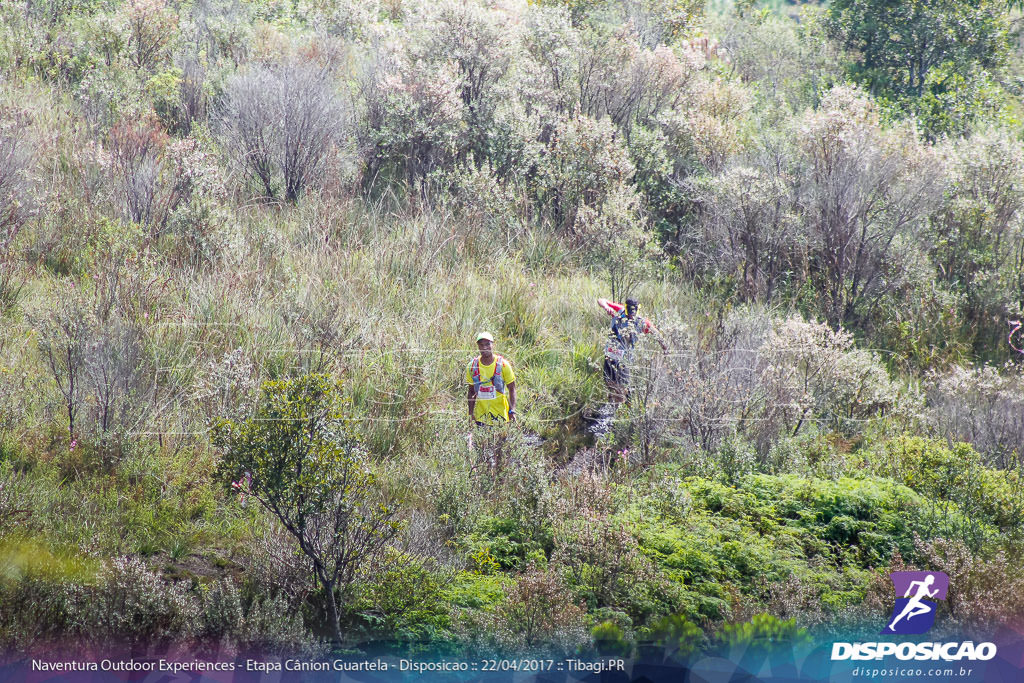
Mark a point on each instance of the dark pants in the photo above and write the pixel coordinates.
(615, 372)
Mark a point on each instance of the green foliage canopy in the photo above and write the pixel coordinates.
(923, 51)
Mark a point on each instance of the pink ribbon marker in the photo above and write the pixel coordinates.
(1016, 325)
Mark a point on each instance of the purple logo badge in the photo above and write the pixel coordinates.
(915, 595)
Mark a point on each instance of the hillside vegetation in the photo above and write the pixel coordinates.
(250, 242)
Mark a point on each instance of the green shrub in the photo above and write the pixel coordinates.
(874, 515)
(604, 566)
(610, 640)
(918, 56)
(737, 543)
(414, 123)
(478, 592)
(676, 635)
(763, 631)
(402, 601)
(498, 542)
(955, 476)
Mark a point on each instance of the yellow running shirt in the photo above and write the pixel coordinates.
(488, 409)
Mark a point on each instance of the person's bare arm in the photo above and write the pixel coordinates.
(651, 329)
(471, 399)
(512, 400)
(608, 307)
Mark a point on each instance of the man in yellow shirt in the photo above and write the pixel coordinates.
(492, 385)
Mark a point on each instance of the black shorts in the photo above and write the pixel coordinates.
(615, 372)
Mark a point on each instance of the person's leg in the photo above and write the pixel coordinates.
(624, 375)
(613, 381)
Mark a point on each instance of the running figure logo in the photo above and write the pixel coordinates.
(914, 613)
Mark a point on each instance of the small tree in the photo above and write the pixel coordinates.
(478, 42)
(415, 120)
(581, 167)
(281, 122)
(620, 248)
(746, 230)
(976, 237)
(865, 193)
(307, 470)
(151, 28)
(539, 610)
(64, 336)
(137, 152)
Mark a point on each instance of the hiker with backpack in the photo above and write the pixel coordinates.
(492, 385)
(619, 353)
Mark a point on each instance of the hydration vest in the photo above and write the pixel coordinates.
(496, 380)
(624, 331)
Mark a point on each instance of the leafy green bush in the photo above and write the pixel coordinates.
(869, 517)
(763, 631)
(935, 52)
(735, 544)
(954, 474)
(298, 459)
(676, 636)
(401, 600)
(610, 641)
(501, 543)
(476, 591)
(603, 565)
